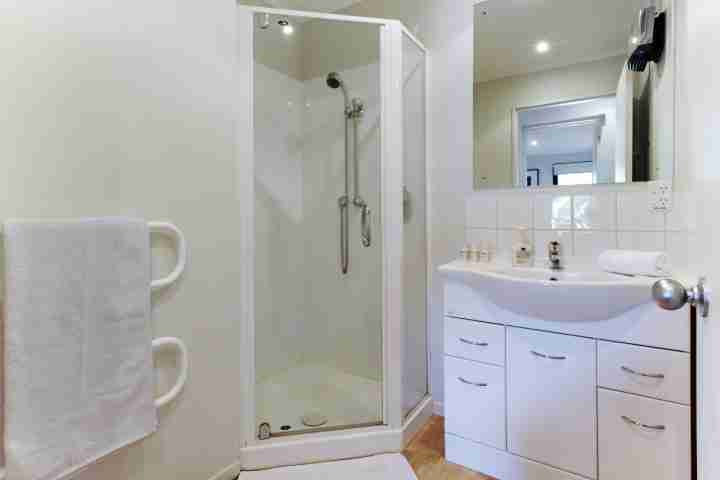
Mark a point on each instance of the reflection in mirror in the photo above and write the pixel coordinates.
(573, 92)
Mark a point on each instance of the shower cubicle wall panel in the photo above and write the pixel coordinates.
(323, 350)
(415, 235)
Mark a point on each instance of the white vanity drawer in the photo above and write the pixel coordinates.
(475, 401)
(482, 342)
(642, 438)
(651, 372)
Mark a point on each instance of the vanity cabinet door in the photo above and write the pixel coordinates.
(642, 438)
(475, 401)
(552, 400)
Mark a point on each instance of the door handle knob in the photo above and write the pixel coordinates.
(672, 295)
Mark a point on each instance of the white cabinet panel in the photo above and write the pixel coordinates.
(552, 399)
(475, 401)
(642, 438)
(478, 341)
(651, 372)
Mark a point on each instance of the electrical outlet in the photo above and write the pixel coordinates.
(660, 196)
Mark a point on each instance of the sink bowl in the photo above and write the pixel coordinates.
(571, 296)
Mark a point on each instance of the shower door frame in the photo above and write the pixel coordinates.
(349, 442)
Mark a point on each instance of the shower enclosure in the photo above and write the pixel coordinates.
(332, 163)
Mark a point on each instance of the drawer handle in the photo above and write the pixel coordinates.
(474, 384)
(544, 355)
(473, 343)
(658, 376)
(635, 423)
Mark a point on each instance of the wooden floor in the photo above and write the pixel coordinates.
(426, 455)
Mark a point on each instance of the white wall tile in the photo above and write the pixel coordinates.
(683, 215)
(482, 238)
(589, 244)
(643, 241)
(553, 211)
(634, 213)
(544, 237)
(677, 247)
(515, 210)
(596, 211)
(481, 211)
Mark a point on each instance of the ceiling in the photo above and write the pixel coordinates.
(506, 32)
(312, 5)
(561, 140)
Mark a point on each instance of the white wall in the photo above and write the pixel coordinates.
(125, 108)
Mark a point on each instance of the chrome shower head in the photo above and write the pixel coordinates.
(334, 80)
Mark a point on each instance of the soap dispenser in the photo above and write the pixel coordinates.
(521, 249)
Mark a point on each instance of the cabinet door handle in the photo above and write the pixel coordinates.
(473, 343)
(551, 357)
(635, 423)
(658, 376)
(474, 384)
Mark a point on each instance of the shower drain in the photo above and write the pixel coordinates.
(314, 419)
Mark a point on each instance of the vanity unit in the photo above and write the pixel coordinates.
(533, 397)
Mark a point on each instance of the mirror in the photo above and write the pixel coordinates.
(558, 100)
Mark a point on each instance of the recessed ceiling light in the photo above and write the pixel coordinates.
(542, 47)
(286, 27)
(534, 143)
(634, 40)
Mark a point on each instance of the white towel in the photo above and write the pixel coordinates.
(629, 262)
(79, 380)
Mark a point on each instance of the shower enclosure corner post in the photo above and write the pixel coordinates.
(245, 158)
(392, 215)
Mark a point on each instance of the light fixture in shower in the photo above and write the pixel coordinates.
(287, 28)
(542, 47)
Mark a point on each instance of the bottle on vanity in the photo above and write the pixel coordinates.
(521, 248)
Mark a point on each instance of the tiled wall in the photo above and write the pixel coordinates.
(586, 221)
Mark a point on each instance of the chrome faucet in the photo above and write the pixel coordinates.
(554, 259)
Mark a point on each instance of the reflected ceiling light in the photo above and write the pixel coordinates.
(634, 40)
(542, 47)
(534, 143)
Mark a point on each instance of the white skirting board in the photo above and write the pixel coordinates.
(229, 473)
(438, 409)
(379, 467)
(499, 464)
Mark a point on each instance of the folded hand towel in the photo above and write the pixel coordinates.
(629, 262)
(79, 380)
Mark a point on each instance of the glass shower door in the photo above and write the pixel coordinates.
(318, 272)
(415, 375)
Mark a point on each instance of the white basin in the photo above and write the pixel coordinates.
(573, 296)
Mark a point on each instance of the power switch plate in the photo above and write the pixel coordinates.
(660, 196)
